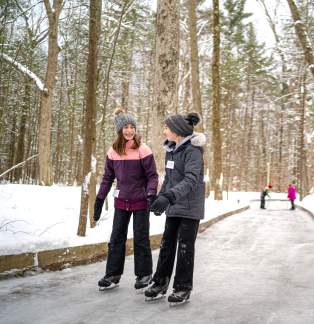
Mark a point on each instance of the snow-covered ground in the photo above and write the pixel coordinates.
(308, 203)
(35, 218)
(254, 268)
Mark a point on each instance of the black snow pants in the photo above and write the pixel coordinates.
(181, 231)
(263, 202)
(143, 264)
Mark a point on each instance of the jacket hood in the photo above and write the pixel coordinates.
(197, 139)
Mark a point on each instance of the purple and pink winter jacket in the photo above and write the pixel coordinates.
(292, 192)
(136, 177)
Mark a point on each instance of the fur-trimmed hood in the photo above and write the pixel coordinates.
(197, 139)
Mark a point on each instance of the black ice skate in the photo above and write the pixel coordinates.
(142, 283)
(179, 297)
(157, 290)
(109, 282)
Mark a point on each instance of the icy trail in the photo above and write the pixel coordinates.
(251, 268)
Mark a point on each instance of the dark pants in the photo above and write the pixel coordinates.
(292, 204)
(263, 202)
(182, 231)
(143, 264)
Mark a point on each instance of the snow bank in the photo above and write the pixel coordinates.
(308, 203)
(35, 218)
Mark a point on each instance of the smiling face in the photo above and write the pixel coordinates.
(128, 131)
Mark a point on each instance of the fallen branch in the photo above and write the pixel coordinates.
(17, 165)
(24, 70)
(5, 224)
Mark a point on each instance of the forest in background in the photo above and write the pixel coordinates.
(265, 106)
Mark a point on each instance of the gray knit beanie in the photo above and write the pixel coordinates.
(121, 118)
(182, 125)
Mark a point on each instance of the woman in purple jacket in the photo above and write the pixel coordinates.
(132, 164)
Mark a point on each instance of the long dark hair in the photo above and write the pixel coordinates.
(119, 144)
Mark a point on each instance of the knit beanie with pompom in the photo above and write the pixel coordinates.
(121, 119)
(182, 125)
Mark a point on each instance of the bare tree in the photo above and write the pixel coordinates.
(89, 159)
(302, 35)
(166, 69)
(44, 145)
(284, 90)
(196, 93)
(217, 159)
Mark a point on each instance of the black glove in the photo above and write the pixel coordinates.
(150, 200)
(171, 197)
(160, 205)
(98, 208)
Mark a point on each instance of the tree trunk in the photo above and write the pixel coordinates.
(195, 80)
(186, 86)
(284, 92)
(302, 35)
(125, 7)
(301, 154)
(125, 94)
(217, 159)
(59, 143)
(44, 146)
(89, 160)
(22, 130)
(12, 149)
(166, 71)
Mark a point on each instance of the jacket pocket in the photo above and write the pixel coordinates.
(181, 207)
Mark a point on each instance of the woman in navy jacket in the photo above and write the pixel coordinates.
(182, 197)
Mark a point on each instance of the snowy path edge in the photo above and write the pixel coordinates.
(58, 259)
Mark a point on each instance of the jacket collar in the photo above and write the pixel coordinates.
(196, 139)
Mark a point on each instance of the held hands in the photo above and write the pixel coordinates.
(162, 202)
(98, 208)
(160, 205)
(150, 200)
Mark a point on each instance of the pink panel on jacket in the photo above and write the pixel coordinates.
(131, 154)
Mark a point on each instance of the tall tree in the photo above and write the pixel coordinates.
(89, 159)
(44, 145)
(195, 79)
(166, 69)
(217, 158)
(284, 91)
(231, 82)
(302, 35)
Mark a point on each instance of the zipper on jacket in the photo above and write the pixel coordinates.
(170, 170)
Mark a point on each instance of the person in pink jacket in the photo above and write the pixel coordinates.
(292, 194)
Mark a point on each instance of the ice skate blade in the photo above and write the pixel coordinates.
(109, 288)
(152, 299)
(174, 304)
(141, 291)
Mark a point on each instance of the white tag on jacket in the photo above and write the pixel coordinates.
(170, 164)
(116, 193)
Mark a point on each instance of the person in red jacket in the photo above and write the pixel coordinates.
(292, 194)
(132, 164)
(265, 192)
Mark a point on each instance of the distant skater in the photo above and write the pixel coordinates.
(265, 193)
(292, 194)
